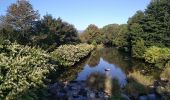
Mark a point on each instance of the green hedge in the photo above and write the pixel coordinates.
(68, 55)
(157, 56)
(22, 71)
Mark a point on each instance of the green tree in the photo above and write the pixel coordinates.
(21, 17)
(156, 23)
(51, 32)
(122, 37)
(92, 33)
(138, 49)
(110, 32)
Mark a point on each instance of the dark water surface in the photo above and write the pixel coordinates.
(105, 59)
(115, 71)
(120, 64)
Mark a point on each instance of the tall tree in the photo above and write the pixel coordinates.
(156, 23)
(110, 33)
(51, 32)
(21, 17)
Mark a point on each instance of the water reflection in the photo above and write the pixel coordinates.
(115, 71)
(119, 63)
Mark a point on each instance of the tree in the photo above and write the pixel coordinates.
(5, 30)
(51, 32)
(110, 32)
(122, 37)
(152, 26)
(156, 23)
(91, 34)
(21, 17)
(138, 48)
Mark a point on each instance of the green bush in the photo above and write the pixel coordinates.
(157, 56)
(138, 48)
(68, 55)
(22, 71)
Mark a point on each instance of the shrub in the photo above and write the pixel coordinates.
(68, 55)
(138, 48)
(157, 56)
(22, 71)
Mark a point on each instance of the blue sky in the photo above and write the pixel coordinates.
(81, 13)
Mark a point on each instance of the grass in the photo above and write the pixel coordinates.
(140, 78)
(166, 72)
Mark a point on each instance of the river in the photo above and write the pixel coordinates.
(108, 61)
(104, 65)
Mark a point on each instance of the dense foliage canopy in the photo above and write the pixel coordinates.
(22, 72)
(68, 55)
(22, 24)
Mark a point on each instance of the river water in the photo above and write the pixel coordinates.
(106, 61)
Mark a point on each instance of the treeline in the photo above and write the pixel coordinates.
(112, 35)
(143, 30)
(23, 25)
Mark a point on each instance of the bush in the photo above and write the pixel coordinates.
(157, 56)
(22, 71)
(68, 55)
(138, 48)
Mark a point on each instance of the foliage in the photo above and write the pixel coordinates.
(138, 49)
(91, 34)
(115, 35)
(110, 32)
(152, 26)
(46, 33)
(68, 55)
(22, 71)
(122, 37)
(20, 19)
(51, 32)
(156, 23)
(158, 56)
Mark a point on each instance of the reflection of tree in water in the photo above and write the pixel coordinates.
(111, 55)
(100, 82)
(94, 59)
(69, 74)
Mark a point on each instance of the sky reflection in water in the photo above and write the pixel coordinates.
(115, 71)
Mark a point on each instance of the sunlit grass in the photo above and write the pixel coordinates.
(140, 78)
(166, 72)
